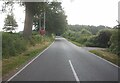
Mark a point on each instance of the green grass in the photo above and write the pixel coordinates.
(107, 55)
(76, 43)
(102, 53)
(14, 62)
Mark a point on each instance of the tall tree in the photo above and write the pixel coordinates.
(10, 23)
(55, 19)
(35, 9)
(28, 19)
(32, 9)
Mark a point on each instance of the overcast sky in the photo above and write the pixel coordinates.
(83, 12)
(92, 12)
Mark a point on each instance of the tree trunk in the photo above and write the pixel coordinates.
(27, 33)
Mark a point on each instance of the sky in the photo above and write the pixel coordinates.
(92, 12)
(82, 12)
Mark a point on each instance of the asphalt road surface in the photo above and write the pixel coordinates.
(64, 61)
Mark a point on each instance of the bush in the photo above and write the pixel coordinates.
(100, 40)
(85, 31)
(103, 38)
(12, 44)
(82, 39)
(91, 42)
(115, 42)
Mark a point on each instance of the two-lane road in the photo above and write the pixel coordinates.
(64, 61)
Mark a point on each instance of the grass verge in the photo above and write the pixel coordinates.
(107, 55)
(13, 63)
(102, 53)
(76, 43)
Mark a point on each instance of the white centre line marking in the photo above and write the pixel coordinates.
(75, 75)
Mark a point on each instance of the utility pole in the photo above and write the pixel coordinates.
(44, 20)
(119, 14)
(39, 22)
(119, 11)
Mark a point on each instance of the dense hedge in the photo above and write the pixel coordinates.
(115, 41)
(106, 38)
(101, 39)
(13, 43)
(80, 37)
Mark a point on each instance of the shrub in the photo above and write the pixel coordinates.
(84, 31)
(103, 38)
(115, 42)
(12, 44)
(92, 41)
(100, 40)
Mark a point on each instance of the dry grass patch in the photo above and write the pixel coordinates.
(107, 55)
(13, 63)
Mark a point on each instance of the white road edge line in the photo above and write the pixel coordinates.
(73, 70)
(105, 60)
(97, 56)
(29, 62)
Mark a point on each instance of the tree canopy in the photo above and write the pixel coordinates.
(10, 23)
(91, 28)
(55, 19)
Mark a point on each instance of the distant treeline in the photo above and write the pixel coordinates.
(95, 36)
(92, 29)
